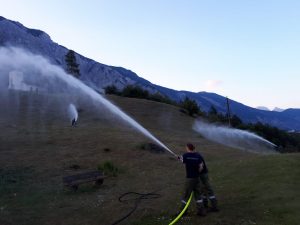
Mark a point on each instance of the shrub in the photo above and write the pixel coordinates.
(151, 147)
(190, 105)
(161, 98)
(135, 92)
(112, 90)
(131, 91)
(108, 168)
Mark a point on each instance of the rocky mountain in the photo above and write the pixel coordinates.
(98, 76)
(276, 109)
(94, 74)
(263, 108)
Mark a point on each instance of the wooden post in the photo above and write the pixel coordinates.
(228, 112)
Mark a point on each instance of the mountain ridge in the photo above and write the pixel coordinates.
(98, 76)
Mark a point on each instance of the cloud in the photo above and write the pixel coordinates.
(211, 85)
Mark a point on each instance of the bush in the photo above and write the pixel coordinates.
(236, 121)
(108, 168)
(112, 90)
(131, 91)
(161, 98)
(135, 92)
(151, 147)
(190, 105)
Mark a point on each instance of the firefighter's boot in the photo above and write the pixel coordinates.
(214, 205)
(205, 202)
(201, 210)
(183, 204)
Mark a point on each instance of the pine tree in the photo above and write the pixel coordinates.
(111, 90)
(213, 115)
(212, 111)
(72, 66)
(236, 121)
(190, 105)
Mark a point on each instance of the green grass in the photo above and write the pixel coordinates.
(37, 150)
(109, 169)
(260, 190)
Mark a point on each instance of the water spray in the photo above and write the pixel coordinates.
(43, 74)
(236, 138)
(73, 114)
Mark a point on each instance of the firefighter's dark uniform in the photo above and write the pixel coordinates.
(207, 192)
(196, 181)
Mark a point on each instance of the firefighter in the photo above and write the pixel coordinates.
(74, 122)
(196, 180)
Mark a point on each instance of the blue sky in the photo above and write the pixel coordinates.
(247, 50)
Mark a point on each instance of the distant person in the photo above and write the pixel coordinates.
(197, 176)
(73, 123)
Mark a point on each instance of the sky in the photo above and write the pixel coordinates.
(247, 50)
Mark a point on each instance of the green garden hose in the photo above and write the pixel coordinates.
(183, 211)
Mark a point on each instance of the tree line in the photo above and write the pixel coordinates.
(286, 142)
(132, 91)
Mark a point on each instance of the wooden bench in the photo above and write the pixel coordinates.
(74, 181)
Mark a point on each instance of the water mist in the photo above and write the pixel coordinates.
(73, 114)
(236, 138)
(45, 76)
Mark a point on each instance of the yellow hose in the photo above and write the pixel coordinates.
(183, 211)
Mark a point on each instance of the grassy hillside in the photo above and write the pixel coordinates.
(38, 147)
